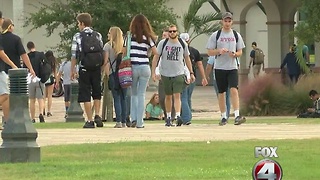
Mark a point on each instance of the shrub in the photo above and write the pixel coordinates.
(267, 96)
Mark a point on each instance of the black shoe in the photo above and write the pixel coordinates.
(98, 121)
(179, 121)
(89, 124)
(133, 124)
(223, 122)
(128, 123)
(33, 121)
(187, 123)
(48, 114)
(140, 127)
(41, 118)
(239, 120)
(168, 123)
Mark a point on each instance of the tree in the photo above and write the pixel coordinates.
(196, 24)
(105, 13)
(307, 31)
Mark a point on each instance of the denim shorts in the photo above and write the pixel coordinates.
(4, 80)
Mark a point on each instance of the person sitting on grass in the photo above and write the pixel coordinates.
(153, 108)
(315, 111)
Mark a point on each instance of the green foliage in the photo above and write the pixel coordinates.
(309, 30)
(266, 97)
(61, 14)
(196, 24)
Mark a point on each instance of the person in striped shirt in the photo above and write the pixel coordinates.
(143, 39)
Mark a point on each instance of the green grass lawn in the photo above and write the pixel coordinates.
(250, 120)
(229, 160)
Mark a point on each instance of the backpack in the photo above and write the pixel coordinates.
(91, 56)
(258, 56)
(45, 68)
(125, 67)
(115, 83)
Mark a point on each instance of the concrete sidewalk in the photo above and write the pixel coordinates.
(204, 102)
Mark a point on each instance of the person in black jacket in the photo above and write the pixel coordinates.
(293, 67)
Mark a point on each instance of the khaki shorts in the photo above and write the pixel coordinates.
(173, 85)
(36, 90)
(256, 69)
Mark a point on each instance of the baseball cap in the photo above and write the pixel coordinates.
(185, 36)
(227, 15)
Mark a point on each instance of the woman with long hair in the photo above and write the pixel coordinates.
(153, 108)
(143, 39)
(50, 83)
(112, 55)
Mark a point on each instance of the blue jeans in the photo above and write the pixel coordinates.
(186, 107)
(119, 102)
(128, 101)
(227, 97)
(140, 79)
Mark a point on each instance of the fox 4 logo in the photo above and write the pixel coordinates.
(266, 152)
(266, 168)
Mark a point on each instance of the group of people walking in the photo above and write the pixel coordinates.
(11, 51)
(174, 64)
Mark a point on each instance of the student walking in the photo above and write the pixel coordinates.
(36, 88)
(113, 55)
(11, 49)
(4, 89)
(227, 47)
(65, 72)
(175, 55)
(143, 39)
(162, 96)
(87, 51)
(196, 61)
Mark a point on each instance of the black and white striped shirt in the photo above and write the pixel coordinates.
(139, 51)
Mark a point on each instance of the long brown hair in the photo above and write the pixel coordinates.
(140, 26)
(52, 60)
(152, 100)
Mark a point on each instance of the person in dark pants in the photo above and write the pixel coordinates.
(196, 61)
(293, 67)
(89, 80)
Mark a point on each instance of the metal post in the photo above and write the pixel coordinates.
(19, 135)
(75, 112)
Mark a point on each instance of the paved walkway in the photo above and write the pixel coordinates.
(203, 99)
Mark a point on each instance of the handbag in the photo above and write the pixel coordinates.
(125, 67)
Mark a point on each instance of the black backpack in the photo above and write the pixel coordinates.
(45, 68)
(91, 56)
(115, 83)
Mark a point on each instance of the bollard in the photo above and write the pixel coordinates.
(19, 135)
(75, 112)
